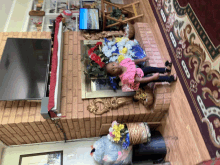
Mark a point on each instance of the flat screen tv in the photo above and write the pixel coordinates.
(24, 69)
(89, 19)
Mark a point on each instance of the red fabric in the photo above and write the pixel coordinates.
(54, 65)
(208, 14)
(94, 56)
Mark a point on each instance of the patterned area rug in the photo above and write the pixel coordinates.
(196, 61)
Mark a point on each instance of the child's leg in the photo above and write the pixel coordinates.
(166, 79)
(149, 70)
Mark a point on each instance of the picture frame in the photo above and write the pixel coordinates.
(44, 158)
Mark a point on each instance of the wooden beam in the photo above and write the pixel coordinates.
(124, 21)
(114, 24)
(135, 11)
(111, 4)
(103, 15)
(128, 5)
(135, 17)
(111, 18)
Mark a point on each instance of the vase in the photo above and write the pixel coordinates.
(138, 132)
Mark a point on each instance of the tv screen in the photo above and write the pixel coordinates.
(88, 19)
(24, 69)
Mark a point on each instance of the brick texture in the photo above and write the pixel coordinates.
(21, 122)
(162, 95)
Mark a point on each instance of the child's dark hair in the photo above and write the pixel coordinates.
(108, 75)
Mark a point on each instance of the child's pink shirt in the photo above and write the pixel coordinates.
(129, 76)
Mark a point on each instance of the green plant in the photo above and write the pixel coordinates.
(92, 68)
(116, 13)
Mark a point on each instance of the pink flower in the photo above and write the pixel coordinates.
(105, 158)
(111, 134)
(114, 122)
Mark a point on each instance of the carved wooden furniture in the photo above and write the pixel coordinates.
(157, 100)
(102, 35)
(108, 104)
(106, 15)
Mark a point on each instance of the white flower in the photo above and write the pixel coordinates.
(128, 46)
(108, 53)
(113, 59)
(104, 48)
(120, 47)
(113, 48)
(129, 57)
(110, 138)
(136, 41)
(110, 129)
(132, 54)
(111, 43)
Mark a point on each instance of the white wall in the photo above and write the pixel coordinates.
(74, 153)
(19, 15)
(5, 6)
(2, 147)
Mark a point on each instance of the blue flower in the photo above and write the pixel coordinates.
(125, 145)
(112, 83)
(127, 138)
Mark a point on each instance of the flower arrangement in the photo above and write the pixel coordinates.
(119, 133)
(114, 50)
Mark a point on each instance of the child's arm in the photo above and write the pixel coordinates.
(147, 79)
(140, 60)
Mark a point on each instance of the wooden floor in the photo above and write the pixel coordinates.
(190, 148)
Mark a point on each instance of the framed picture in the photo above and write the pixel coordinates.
(45, 158)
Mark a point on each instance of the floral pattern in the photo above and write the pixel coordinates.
(170, 22)
(193, 86)
(217, 123)
(192, 53)
(179, 52)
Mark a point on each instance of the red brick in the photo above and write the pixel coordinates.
(98, 124)
(157, 107)
(75, 66)
(73, 134)
(88, 133)
(97, 132)
(65, 52)
(64, 73)
(81, 121)
(165, 107)
(166, 101)
(83, 133)
(93, 132)
(78, 135)
(87, 125)
(76, 126)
